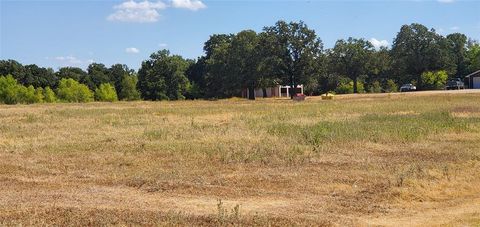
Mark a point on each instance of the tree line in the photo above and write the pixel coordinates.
(285, 53)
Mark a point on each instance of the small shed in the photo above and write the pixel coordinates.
(275, 91)
(473, 80)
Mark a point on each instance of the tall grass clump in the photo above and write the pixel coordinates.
(373, 127)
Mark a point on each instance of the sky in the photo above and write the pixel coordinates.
(58, 33)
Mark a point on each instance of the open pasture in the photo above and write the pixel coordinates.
(398, 159)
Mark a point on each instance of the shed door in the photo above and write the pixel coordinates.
(476, 82)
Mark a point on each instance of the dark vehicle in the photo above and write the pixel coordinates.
(408, 87)
(455, 84)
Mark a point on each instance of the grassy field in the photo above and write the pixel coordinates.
(357, 160)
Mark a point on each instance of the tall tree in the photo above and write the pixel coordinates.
(196, 75)
(97, 74)
(75, 73)
(217, 67)
(416, 50)
(13, 68)
(162, 77)
(295, 49)
(116, 74)
(381, 66)
(473, 56)
(244, 62)
(129, 90)
(39, 77)
(458, 49)
(352, 58)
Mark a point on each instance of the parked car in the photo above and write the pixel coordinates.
(408, 87)
(455, 84)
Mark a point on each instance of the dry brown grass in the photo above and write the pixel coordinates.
(357, 160)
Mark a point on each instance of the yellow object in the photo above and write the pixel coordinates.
(327, 96)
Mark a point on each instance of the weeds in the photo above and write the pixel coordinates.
(310, 163)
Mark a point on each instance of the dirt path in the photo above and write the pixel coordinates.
(28, 193)
(399, 94)
(50, 193)
(456, 212)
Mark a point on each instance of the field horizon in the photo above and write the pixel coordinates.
(358, 160)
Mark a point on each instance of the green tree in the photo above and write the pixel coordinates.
(13, 68)
(375, 87)
(70, 90)
(434, 80)
(8, 89)
(244, 62)
(196, 75)
(473, 56)
(217, 68)
(458, 49)
(117, 74)
(38, 76)
(129, 90)
(380, 66)
(346, 86)
(96, 74)
(106, 93)
(49, 95)
(26, 94)
(75, 73)
(162, 77)
(352, 58)
(294, 49)
(416, 50)
(391, 86)
(39, 95)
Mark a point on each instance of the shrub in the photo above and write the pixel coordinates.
(70, 90)
(391, 86)
(375, 87)
(106, 93)
(26, 94)
(39, 97)
(11, 92)
(193, 91)
(434, 80)
(129, 90)
(346, 87)
(8, 89)
(49, 95)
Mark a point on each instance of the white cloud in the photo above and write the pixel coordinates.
(454, 28)
(71, 60)
(440, 31)
(162, 45)
(446, 1)
(378, 43)
(193, 5)
(132, 50)
(141, 12)
(147, 12)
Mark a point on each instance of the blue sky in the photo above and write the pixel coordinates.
(59, 33)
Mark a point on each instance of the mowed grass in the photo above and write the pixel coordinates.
(356, 160)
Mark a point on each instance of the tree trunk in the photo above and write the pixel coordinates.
(292, 91)
(264, 90)
(419, 82)
(355, 85)
(251, 93)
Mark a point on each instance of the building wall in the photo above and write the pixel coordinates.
(474, 80)
(272, 91)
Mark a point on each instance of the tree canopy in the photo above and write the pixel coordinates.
(287, 53)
